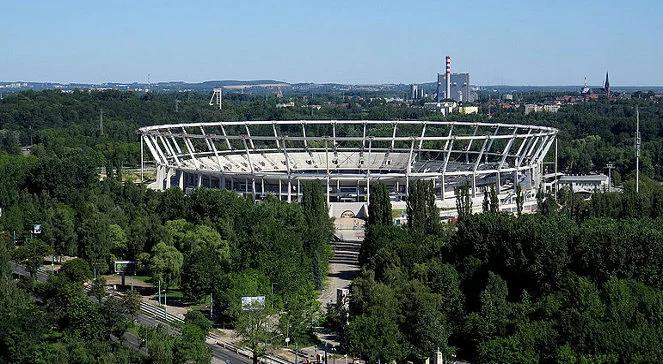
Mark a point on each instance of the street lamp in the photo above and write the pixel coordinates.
(610, 166)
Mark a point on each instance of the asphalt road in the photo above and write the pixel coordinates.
(219, 353)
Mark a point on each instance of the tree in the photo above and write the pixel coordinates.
(234, 286)
(98, 289)
(379, 207)
(463, 201)
(94, 239)
(166, 265)
(199, 320)
(158, 343)
(5, 270)
(422, 214)
(190, 346)
(118, 239)
(491, 321)
(205, 261)
(60, 231)
(424, 326)
(22, 324)
(319, 229)
(374, 339)
(76, 270)
(255, 328)
(32, 254)
(373, 332)
(301, 313)
(494, 201)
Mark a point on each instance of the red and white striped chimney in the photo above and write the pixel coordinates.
(448, 77)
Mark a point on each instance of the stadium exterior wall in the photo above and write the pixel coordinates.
(261, 158)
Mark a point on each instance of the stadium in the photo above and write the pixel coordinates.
(261, 158)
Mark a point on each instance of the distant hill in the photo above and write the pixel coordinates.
(272, 86)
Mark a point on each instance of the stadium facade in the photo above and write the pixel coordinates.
(261, 158)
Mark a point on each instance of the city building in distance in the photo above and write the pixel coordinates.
(416, 92)
(457, 85)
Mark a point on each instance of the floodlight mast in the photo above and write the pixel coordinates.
(217, 98)
(637, 149)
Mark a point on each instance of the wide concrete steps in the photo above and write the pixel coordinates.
(346, 252)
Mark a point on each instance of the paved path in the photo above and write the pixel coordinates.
(344, 265)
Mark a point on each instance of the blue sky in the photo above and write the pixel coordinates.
(516, 42)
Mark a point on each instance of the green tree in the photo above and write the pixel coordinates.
(197, 318)
(379, 207)
(374, 338)
(158, 343)
(190, 346)
(423, 325)
(59, 230)
(118, 239)
(206, 259)
(422, 214)
(76, 270)
(95, 240)
(98, 288)
(234, 286)
(255, 326)
(520, 199)
(166, 265)
(463, 201)
(319, 229)
(301, 312)
(31, 255)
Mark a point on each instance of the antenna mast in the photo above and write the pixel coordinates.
(637, 149)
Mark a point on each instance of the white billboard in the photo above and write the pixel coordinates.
(253, 303)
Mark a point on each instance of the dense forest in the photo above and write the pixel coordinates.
(579, 282)
(210, 243)
(591, 134)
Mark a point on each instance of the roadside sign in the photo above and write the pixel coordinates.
(124, 266)
(36, 229)
(253, 303)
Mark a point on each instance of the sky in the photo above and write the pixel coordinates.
(499, 42)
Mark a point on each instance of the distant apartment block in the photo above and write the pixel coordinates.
(584, 183)
(467, 110)
(285, 104)
(530, 108)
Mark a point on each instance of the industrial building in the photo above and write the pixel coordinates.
(416, 92)
(457, 85)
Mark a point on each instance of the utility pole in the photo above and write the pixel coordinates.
(610, 166)
(637, 149)
(211, 307)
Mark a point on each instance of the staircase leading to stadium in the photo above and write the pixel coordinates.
(346, 252)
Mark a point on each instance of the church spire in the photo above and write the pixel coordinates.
(606, 86)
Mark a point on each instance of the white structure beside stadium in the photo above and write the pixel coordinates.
(261, 158)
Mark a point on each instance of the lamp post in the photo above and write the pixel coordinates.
(610, 166)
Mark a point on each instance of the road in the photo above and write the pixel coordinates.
(147, 317)
(219, 353)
